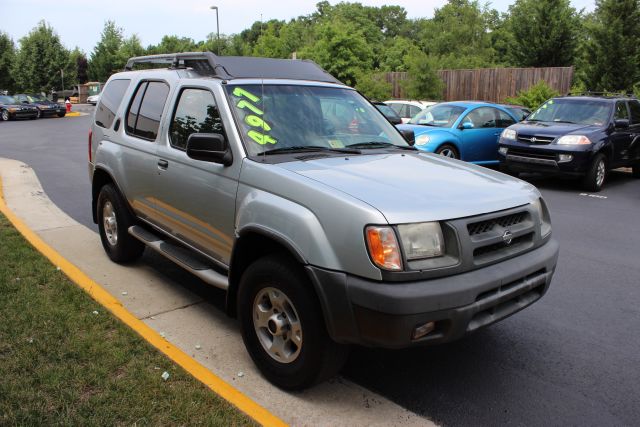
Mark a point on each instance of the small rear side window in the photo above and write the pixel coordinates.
(110, 101)
(634, 106)
(145, 112)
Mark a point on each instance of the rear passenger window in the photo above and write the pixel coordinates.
(196, 112)
(634, 106)
(145, 111)
(413, 110)
(110, 101)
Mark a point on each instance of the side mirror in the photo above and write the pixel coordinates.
(467, 125)
(408, 135)
(209, 147)
(621, 123)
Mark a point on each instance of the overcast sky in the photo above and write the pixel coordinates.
(79, 22)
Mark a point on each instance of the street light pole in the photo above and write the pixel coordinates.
(217, 27)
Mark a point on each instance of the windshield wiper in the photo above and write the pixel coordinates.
(379, 144)
(563, 121)
(304, 148)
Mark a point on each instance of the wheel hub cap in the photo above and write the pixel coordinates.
(110, 223)
(277, 325)
(600, 173)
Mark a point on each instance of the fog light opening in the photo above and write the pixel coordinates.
(503, 150)
(423, 330)
(562, 158)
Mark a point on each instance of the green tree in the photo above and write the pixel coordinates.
(39, 60)
(423, 81)
(104, 59)
(129, 48)
(533, 97)
(612, 49)
(341, 50)
(373, 86)
(543, 33)
(173, 44)
(78, 61)
(7, 57)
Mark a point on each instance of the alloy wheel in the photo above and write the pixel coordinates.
(110, 223)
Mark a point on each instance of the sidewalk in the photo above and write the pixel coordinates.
(190, 322)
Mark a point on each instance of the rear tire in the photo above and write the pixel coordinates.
(283, 327)
(114, 220)
(448, 150)
(596, 175)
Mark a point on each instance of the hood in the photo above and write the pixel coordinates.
(418, 187)
(420, 129)
(19, 106)
(552, 129)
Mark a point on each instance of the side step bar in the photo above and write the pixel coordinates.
(181, 256)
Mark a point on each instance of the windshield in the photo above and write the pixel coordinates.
(585, 112)
(94, 90)
(440, 115)
(286, 116)
(35, 98)
(7, 100)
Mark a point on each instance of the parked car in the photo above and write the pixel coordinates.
(466, 130)
(258, 182)
(93, 99)
(11, 109)
(388, 112)
(45, 106)
(579, 136)
(406, 109)
(519, 111)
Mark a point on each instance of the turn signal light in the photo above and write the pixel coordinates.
(383, 247)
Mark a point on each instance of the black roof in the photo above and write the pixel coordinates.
(234, 67)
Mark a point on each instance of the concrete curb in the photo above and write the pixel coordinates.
(196, 329)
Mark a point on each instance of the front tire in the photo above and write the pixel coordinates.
(448, 150)
(114, 220)
(5, 116)
(61, 114)
(282, 325)
(595, 177)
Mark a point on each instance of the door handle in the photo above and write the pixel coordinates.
(163, 164)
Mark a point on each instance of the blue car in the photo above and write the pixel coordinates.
(463, 130)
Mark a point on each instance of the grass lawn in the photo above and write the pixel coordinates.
(62, 364)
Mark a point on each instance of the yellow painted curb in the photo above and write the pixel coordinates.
(73, 114)
(200, 372)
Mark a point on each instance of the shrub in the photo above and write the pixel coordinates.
(534, 96)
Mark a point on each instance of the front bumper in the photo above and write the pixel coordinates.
(52, 111)
(23, 114)
(544, 159)
(380, 314)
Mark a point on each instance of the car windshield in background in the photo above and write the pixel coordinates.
(297, 117)
(440, 115)
(585, 112)
(7, 100)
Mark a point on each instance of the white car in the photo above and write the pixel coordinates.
(93, 99)
(406, 109)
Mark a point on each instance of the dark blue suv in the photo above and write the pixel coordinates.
(581, 136)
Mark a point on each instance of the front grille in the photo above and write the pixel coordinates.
(483, 252)
(532, 154)
(535, 139)
(488, 225)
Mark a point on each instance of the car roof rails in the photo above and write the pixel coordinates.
(604, 94)
(234, 67)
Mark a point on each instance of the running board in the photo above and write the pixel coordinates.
(181, 256)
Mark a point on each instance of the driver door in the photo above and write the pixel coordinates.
(480, 143)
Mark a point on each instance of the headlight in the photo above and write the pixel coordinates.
(509, 134)
(383, 247)
(574, 140)
(422, 139)
(11, 110)
(422, 240)
(543, 215)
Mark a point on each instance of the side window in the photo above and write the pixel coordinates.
(110, 100)
(413, 110)
(145, 112)
(504, 120)
(397, 108)
(482, 117)
(634, 106)
(621, 110)
(196, 112)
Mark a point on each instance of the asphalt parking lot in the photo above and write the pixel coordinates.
(572, 358)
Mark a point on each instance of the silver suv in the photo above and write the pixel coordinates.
(275, 182)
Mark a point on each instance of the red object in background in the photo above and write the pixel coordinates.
(67, 103)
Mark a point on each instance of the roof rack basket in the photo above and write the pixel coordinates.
(230, 67)
(605, 93)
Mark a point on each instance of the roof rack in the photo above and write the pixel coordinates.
(603, 94)
(232, 67)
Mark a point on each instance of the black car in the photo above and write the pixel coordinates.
(45, 106)
(580, 136)
(388, 112)
(11, 109)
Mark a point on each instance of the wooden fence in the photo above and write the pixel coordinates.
(491, 84)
